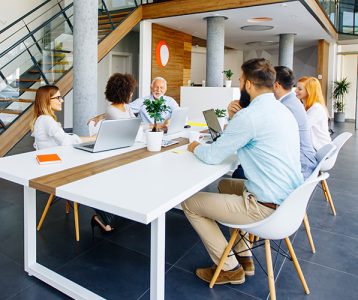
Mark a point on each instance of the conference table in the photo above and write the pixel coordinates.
(149, 185)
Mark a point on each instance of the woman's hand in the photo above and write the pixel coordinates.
(96, 119)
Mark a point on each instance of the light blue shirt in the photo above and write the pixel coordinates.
(307, 152)
(137, 106)
(265, 137)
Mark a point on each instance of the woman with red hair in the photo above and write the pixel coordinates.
(310, 93)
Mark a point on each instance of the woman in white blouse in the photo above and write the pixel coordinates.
(45, 128)
(309, 91)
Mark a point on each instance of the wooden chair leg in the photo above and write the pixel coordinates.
(68, 207)
(251, 239)
(228, 248)
(270, 274)
(77, 226)
(308, 232)
(324, 191)
(44, 213)
(297, 265)
(257, 238)
(329, 198)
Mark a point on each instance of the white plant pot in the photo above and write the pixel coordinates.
(154, 141)
(227, 83)
(222, 121)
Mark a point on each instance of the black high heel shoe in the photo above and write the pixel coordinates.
(96, 223)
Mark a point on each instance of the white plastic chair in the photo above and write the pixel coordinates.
(322, 156)
(339, 141)
(280, 225)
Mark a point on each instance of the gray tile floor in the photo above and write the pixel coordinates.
(117, 266)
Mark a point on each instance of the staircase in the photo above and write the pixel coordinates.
(43, 54)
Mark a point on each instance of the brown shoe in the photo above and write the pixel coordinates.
(248, 265)
(234, 277)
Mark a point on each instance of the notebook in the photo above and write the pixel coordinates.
(44, 159)
(113, 134)
(178, 120)
(213, 123)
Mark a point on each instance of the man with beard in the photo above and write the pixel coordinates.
(265, 138)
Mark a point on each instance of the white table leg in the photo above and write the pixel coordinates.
(157, 259)
(29, 227)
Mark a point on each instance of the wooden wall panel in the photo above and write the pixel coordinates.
(177, 70)
(322, 65)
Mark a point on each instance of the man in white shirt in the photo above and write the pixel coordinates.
(158, 89)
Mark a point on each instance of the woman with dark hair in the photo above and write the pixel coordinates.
(119, 91)
(45, 128)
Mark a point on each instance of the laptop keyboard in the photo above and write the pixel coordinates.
(91, 146)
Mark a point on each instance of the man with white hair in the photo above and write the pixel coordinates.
(158, 89)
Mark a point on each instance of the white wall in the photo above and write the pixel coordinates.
(232, 60)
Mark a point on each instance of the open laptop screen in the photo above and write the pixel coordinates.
(213, 123)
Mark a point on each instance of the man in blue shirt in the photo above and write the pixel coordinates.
(158, 89)
(283, 92)
(265, 138)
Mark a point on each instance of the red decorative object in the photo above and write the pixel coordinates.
(162, 54)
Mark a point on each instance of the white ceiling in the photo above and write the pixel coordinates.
(289, 17)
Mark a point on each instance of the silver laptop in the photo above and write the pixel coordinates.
(113, 134)
(213, 123)
(178, 120)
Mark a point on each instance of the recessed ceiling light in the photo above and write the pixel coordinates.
(259, 19)
(256, 27)
(262, 43)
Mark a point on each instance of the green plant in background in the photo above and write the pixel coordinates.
(220, 113)
(228, 74)
(155, 109)
(341, 87)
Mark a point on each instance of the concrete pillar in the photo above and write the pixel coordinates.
(285, 56)
(215, 51)
(85, 58)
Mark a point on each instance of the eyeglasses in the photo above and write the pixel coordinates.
(59, 98)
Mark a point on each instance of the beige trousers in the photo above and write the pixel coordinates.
(233, 205)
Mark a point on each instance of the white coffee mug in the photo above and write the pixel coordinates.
(194, 136)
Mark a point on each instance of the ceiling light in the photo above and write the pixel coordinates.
(262, 43)
(256, 27)
(259, 19)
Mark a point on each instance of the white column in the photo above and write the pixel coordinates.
(332, 75)
(145, 58)
(85, 58)
(285, 56)
(215, 51)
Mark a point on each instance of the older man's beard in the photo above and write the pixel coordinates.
(157, 95)
(244, 98)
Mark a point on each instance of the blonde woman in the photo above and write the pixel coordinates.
(45, 128)
(310, 93)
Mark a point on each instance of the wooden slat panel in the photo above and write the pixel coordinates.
(322, 65)
(17, 100)
(179, 59)
(183, 7)
(50, 182)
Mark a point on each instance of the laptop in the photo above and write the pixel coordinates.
(178, 120)
(213, 124)
(113, 134)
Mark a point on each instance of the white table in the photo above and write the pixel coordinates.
(166, 179)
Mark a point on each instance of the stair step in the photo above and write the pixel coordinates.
(47, 71)
(55, 63)
(10, 111)
(114, 20)
(17, 100)
(28, 80)
(107, 26)
(27, 90)
(113, 15)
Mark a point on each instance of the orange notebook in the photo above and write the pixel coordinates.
(44, 159)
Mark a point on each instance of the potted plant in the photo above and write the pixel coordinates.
(341, 87)
(228, 74)
(221, 114)
(155, 109)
